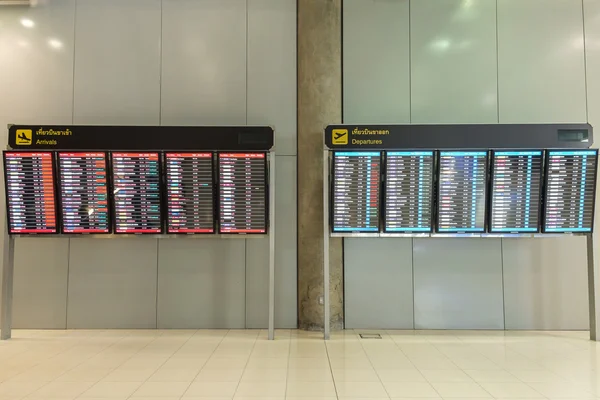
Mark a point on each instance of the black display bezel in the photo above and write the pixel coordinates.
(166, 194)
(112, 191)
(431, 193)
(60, 199)
(490, 195)
(545, 189)
(485, 194)
(218, 192)
(332, 195)
(57, 227)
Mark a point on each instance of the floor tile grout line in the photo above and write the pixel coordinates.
(206, 362)
(246, 366)
(331, 368)
(161, 365)
(375, 369)
(113, 369)
(54, 380)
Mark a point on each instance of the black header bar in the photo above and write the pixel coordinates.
(364, 137)
(140, 138)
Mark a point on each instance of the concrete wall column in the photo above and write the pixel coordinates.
(319, 104)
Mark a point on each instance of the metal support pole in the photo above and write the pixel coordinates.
(326, 244)
(8, 267)
(272, 245)
(593, 284)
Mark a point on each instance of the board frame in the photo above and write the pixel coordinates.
(58, 225)
(485, 186)
(266, 161)
(357, 232)
(108, 196)
(491, 186)
(431, 194)
(214, 195)
(545, 188)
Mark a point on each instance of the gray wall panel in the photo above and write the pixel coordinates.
(201, 283)
(272, 69)
(545, 283)
(117, 63)
(376, 61)
(378, 283)
(257, 257)
(36, 77)
(458, 284)
(203, 62)
(592, 51)
(112, 283)
(541, 74)
(453, 56)
(40, 283)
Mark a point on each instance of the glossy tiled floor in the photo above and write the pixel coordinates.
(298, 365)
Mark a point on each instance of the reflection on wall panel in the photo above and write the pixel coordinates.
(117, 62)
(376, 69)
(458, 283)
(541, 74)
(453, 61)
(203, 78)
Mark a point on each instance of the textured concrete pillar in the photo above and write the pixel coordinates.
(319, 104)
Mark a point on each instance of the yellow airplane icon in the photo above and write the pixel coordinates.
(24, 137)
(339, 136)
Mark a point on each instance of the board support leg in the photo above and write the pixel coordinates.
(8, 267)
(326, 311)
(272, 245)
(593, 286)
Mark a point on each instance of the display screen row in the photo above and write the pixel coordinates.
(136, 192)
(494, 191)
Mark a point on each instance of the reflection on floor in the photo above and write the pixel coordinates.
(238, 364)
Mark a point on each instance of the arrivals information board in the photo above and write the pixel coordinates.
(30, 192)
(190, 193)
(83, 192)
(408, 191)
(515, 196)
(242, 193)
(462, 191)
(137, 201)
(570, 189)
(356, 185)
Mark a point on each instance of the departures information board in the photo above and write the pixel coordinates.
(83, 192)
(190, 193)
(242, 193)
(136, 184)
(30, 192)
(515, 196)
(462, 191)
(356, 185)
(570, 190)
(408, 191)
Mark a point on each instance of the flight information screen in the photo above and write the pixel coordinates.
(30, 193)
(190, 190)
(462, 191)
(570, 190)
(136, 183)
(83, 192)
(242, 193)
(408, 191)
(356, 191)
(515, 197)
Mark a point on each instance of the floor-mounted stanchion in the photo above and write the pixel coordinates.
(271, 245)
(8, 268)
(326, 244)
(593, 285)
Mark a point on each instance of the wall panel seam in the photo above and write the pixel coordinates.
(587, 109)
